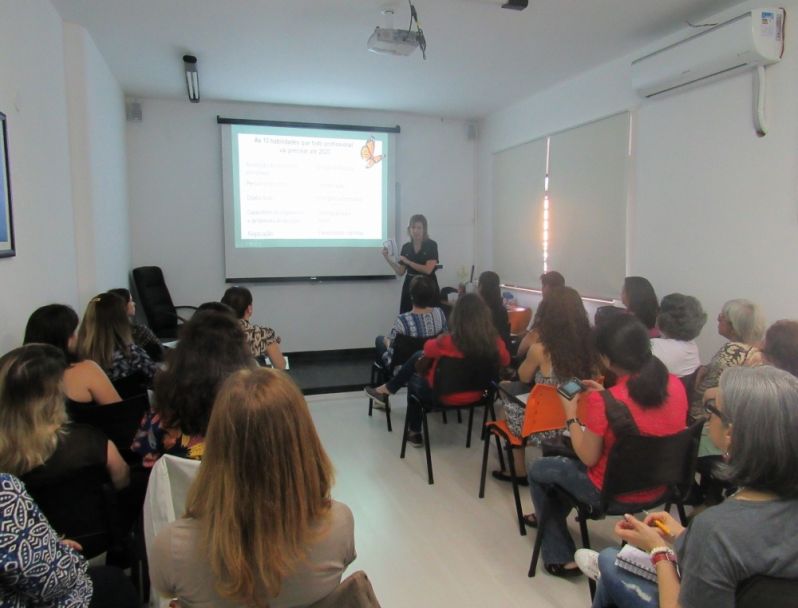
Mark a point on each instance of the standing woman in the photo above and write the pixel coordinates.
(419, 256)
(258, 536)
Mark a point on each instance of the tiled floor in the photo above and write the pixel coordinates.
(434, 545)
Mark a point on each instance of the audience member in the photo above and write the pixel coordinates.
(741, 322)
(753, 421)
(657, 404)
(563, 349)
(680, 321)
(488, 288)
(640, 299)
(781, 346)
(85, 383)
(471, 336)
(105, 337)
(142, 335)
(217, 307)
(211, 347)
(266, 535)
(63, 465)
(550, 280)
(263, 341)
(425, 320)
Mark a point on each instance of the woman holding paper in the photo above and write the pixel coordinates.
(419, 256)
(753, 422)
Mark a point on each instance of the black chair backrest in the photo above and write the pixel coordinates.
(132, 385)
(765, 591)
(405, 347)
(453, 375)
(155, 301)
(642, 462)
(119, 421)
(689, 382)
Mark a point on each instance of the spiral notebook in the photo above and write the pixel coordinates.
(637, 562)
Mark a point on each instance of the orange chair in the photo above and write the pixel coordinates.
(520, 317)
(543, 413)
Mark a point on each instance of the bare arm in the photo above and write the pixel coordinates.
(397, 268)
(532, 361)
(426, 268)
(100, 387)
(586, 444)
(117, 468)
(275, 355)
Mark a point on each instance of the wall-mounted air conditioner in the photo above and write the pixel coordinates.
(750, 40)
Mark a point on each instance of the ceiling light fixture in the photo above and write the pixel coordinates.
(192, 78)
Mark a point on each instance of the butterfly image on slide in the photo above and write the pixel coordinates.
(367, 153)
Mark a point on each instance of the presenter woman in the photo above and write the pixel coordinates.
(419, 256)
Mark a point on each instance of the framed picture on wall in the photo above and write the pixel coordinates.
(6, 217)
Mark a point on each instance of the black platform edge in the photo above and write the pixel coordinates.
(328, 390)
(319, 356)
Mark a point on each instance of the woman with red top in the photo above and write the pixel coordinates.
(471, 335)
(657, 403)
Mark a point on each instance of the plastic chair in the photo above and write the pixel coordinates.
(404, 347)
(166, 501)
(156, 302)
(636, 463)
(456, 375)
(543, 412)
(761, 590)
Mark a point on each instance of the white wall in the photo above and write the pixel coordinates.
(175, 193)
(32, 95)
(713, 209)
(97, 152)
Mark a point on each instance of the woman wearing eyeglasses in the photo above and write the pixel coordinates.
(753, 421)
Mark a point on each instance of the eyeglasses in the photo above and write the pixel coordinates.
(710, 408)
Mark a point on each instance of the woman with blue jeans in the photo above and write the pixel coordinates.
(651, 399)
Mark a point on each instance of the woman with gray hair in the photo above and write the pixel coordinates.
(680, 320)
(753, 420)
(742, 323)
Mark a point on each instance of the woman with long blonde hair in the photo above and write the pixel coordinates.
(260, 527)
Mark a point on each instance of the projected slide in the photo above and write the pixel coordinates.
(309, 188)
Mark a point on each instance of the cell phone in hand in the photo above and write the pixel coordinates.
(570, 388)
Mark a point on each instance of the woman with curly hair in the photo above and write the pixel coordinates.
(680, 321)
(563, 349)
(211, 347)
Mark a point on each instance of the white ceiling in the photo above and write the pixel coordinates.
(480, 57)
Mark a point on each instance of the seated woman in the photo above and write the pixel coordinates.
(263, 341)
(85, 383)
(680, 320)
(753, 420)
(425, 319)
(640, 299)
(142, 335)
(563, 349)
(64, 466)
(781, 346)
(292, 542)
(657, 404)
(741, 322)
(488, 288)
(471, 335)
(211, 347)
(105, 337)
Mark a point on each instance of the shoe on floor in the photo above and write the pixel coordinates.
(415, 439)
(531, 520)
(561, 571)
(587, 560)
(380, 399)
(502, 476)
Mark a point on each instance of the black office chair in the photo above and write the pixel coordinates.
(636, 463)
(454, 375)
(760, 590)
(404, 347)
(156, 302)
(133, 385)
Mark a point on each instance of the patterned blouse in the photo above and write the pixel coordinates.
(35, 568)
(731, 354)
(126, 364)
(258, 337)
(416, 325)
(152, 440)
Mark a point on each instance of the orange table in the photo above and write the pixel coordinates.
(520, 317)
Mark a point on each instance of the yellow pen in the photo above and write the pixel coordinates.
(659, 524)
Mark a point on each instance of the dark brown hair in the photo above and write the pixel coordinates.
(564, 330)
(472, 328)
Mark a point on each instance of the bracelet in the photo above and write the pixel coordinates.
(659, 554)
(570, 421)
(659, 549)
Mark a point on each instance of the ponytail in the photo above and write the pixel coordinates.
(649, 386)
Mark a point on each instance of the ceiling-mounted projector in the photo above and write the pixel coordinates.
(393, 42)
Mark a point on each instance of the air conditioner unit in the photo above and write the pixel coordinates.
(750, 40)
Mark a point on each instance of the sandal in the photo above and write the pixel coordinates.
(502, 476)
(531, 520)
(561, 571)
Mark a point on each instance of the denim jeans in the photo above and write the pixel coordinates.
(622, 589)
(379, 345)
(404, 374)
(571, 475)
